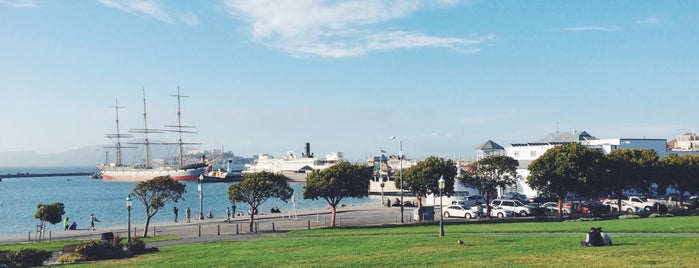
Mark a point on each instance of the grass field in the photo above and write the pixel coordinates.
(661, 242)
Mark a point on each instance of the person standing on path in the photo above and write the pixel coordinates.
(187, 213)
(233, 206)
(228, 215)
(66, 224)
(93, 219)
(175, 210)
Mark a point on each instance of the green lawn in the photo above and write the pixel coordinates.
(637, 243)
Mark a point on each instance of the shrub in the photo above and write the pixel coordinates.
(136, 246)
(100, 250)
(25, 257)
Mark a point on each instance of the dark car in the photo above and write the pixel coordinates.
(594, 208)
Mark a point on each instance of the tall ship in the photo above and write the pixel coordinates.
(294, 168)
(118, 171)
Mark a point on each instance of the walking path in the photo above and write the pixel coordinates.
(218, 229)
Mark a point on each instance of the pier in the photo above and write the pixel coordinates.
(37, 175)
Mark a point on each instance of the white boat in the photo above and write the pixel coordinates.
(117, 171)
(294, 168)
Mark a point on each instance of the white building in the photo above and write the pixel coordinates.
(525, 153)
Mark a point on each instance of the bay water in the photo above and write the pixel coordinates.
(83, 195)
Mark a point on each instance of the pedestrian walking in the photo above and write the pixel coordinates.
(175, 210)
(228, 215)
(187, 213)
(93, 219)
(66, 224)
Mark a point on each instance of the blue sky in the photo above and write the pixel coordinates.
(267, 76)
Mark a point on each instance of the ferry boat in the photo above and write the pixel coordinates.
(117, 171)
(294, 168)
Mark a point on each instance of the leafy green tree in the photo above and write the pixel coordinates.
(489, 174)
(563, 169)
(337, 182)
(628, 169)
(256, 188)
(681, 172)
(154, 193)
(52, 213)
(423, 178)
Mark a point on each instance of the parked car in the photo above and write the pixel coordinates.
(625, 206)
(500, 212)
(515, 195)
(469, 201)
(553, 207)
(515, 206)
(460, 211)
(595, 208)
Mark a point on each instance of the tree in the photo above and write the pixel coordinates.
(256, 188)
(489, 174)
(423, 178)
(628, 168)
(682, 172)
(563, 169)
(154, 193)
(337, 182)
(52, 213)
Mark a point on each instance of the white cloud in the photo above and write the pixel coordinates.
(152, 9)
(341, 28)
(593, 28)
(20, 3)
(650, 21)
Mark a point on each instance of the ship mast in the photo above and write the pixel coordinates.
(116, 138)
(180, 129)
(146, 143)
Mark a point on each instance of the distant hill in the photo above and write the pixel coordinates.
(89, 156)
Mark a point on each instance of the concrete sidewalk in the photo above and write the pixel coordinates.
(217, 229)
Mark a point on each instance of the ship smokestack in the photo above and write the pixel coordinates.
(308, 149)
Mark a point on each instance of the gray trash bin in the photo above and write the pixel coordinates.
(427, 213)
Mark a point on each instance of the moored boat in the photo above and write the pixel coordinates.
(294, 168)
(117, 171)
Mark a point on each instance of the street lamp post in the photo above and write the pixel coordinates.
(201, 198)
(129, 202)
(382, 185)
(400, 159)
(441, 207)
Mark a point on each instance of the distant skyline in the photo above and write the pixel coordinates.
(268, 76)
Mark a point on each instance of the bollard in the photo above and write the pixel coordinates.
(29, 237)
(134, 230)
(200, 230)
(273, 230)
(236, 229)
(49, 236)
(153, 231)
(219, 230)
(257, 224)
(309, 224)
